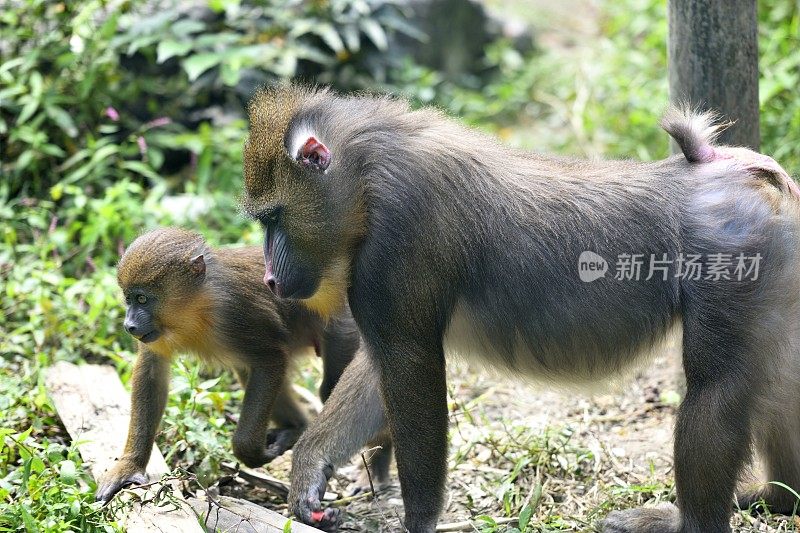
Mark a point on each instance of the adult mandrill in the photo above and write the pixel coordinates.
(444, 240)
(184, 296)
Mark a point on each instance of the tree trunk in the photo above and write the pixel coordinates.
(713, 62)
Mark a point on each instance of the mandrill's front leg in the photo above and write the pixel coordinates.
(264, 382)
(290, 422)
(149, 388)
(352, 415)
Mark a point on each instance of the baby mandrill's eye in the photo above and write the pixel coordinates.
(142, 299)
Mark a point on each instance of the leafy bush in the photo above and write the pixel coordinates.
(43, 488)
(93, 94)
(53, 90)
(779, 63)
(232, 41)
(610, 103)
(507, 96)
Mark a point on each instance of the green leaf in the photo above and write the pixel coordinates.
(230, 74)
(74, 158)
(375, 33)
(786, 487)
(184, 27)
(7, 94)
(36, 85)
(525, 517)
(287, 526)
(199, 63)
(52, 149)
(352, 37)
(8, 65)
(301, 27)
(328, 34)
(487, 519)
(78, 174)
(25, 159)
(104, 152)
(141, 168)
(62, 119)
(168, 49)
(27, 111)
(37, 464)
(30, 523)
(402, 26)
(68, 471)
(207, 384)
(140, 42)
(313, 54)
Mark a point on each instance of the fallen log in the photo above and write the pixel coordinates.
(95, 408)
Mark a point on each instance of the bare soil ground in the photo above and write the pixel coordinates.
(570, 456)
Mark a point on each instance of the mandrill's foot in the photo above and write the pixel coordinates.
(280, 440)
(380, 480)
(662, 519)
(379, 457)
(254, 454)
(777, 499)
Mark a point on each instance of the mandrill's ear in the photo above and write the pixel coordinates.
(197, 265)
(314, 154)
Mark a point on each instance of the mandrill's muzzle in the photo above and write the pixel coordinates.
(288, 274)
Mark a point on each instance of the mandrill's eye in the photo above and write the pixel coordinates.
(270, 216)
(142, 299)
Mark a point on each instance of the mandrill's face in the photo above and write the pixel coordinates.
(306, 197)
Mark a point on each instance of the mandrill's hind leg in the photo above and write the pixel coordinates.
(713, 428)
(778, 443)
(782, 459)
(777, 427)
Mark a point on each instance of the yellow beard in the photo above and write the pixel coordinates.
(331, 295)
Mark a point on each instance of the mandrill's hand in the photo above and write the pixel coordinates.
(121, 475)
(305, 496)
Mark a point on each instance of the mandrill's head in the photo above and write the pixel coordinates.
(162, 276)
(304, 181)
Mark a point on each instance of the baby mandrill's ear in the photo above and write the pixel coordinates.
(314, 154)
(198, 265)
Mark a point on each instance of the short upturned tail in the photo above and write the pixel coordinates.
(694, 131)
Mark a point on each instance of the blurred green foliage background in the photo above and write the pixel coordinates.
(119, 116)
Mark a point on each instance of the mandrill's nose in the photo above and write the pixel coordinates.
(272, 283)
(130, 327)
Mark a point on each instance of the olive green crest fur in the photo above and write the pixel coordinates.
(270, 111)
(159, 255)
